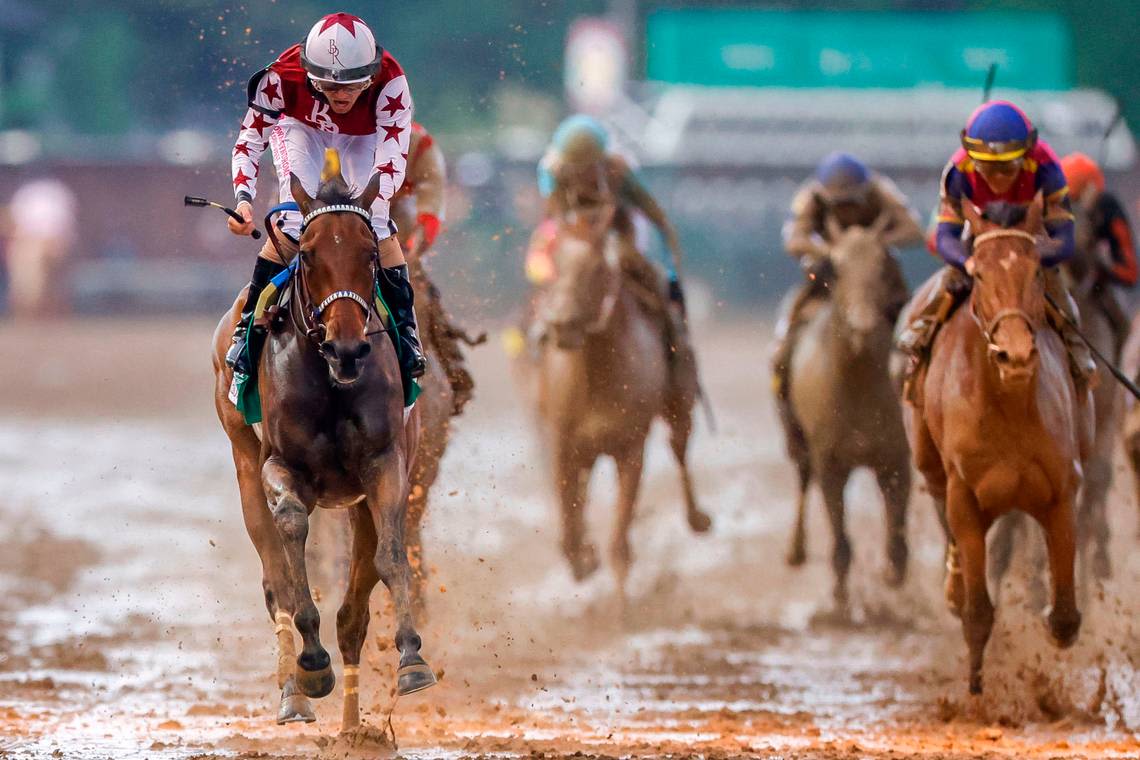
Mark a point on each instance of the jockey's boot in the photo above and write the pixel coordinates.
(1065, 317)
(238, 358)
(928, 316)
(396, 289)
(788, 329)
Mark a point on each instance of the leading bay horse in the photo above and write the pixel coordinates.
(602, 377)
(334, 435)
(996, 423)
(847, 413)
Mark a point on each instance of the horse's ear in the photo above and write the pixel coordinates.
(1035, 217)
(303, 200)
(973, 215)
(368, 196)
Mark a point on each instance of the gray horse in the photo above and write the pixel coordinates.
(846, 408)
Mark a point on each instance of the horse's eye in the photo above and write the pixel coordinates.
(307, 257)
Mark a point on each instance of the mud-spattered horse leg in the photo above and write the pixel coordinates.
(894, 482)
(352, 617)
(1060, 538)
(832, 480)
(289, 498)
(1092, 526)
(797, 550)
(968, 526)
(278, 594)
(571, 478)
(629, 468)
(680, 429)
(387, 494)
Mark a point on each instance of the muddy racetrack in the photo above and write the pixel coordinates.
(132, 623)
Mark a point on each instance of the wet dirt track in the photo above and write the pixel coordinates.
(132, 623)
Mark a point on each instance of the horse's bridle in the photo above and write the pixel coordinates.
(989, 327)
(306, 317)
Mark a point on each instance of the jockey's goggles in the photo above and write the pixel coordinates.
(331, 88)
(999, 168)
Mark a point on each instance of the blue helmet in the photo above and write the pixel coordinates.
(842, 175)
(998, 131)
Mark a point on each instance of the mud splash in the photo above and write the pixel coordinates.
(134, 625)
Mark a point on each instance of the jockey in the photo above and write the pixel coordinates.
(1001, 159)
(418, 210)
(845, 190)
(337, 89)
(567, 176)
(1108, 235)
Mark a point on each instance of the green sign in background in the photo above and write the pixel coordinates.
(871, 49)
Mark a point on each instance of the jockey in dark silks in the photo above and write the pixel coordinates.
(1104, 232)
(850, 194)
(1001, 159)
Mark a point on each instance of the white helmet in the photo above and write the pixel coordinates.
(340, 48)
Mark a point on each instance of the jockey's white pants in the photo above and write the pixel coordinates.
(300, 149)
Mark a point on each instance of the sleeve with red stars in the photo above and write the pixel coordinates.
(265, 104)
(393, 127)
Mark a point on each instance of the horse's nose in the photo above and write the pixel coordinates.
(346, 353)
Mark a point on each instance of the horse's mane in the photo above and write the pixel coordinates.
(1005, 213)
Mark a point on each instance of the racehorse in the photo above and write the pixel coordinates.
(334, 435)
(847, 413)
(602, 377)
(995, 423)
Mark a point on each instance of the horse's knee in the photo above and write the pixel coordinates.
(292, 520)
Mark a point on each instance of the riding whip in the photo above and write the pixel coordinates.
(1116, 371)
(203, 203)
(990, 75)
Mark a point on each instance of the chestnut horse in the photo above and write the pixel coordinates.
(845, 406)
(996, 424)
(602, 377)
(334, 435)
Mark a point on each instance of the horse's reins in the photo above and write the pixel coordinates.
(989, 328)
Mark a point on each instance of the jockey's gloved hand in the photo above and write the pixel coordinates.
(246, 211)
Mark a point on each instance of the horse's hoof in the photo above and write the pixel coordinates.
(976, 683)
(895, 575)
(699, 522)
(316, 683)
(1063, 629)
(295, 708)
(414, 677)
(796, 556)
(585, 562)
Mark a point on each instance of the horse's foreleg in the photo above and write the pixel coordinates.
(832, 480)
(797, 551)
(1092, 527)
(629, 468)
(571, 478)
(894, 482)
(352, 617)
(288, 496)
(387, 503)
(1060, 533)
(968, 526)
(1001, 548)
(680, 428)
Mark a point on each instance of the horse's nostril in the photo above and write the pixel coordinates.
(1002, 356)
(365, 349)
(327, 349)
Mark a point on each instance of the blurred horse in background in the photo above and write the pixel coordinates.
(600, 379)
(847, 413)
